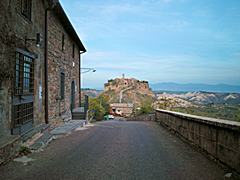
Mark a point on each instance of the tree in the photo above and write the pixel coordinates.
(99, 107)
(146, 107)
(104, 101)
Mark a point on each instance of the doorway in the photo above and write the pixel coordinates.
(72, 95)
(22, 117)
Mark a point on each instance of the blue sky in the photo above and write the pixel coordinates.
(183, 41)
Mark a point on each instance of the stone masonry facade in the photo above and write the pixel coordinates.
(61, 60)
(19, 30)
(14, 29)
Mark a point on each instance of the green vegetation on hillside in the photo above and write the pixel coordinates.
(166, 103)
(146, 107)
(99, 107)
(228, 112)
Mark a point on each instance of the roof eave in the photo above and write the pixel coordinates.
(58, 9)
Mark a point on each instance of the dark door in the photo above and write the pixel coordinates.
(22, 119)
(72, 95)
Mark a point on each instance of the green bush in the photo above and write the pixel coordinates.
(99, 107)
(24, 150)
(146, 107)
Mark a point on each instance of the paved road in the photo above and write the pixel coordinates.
(116, 150)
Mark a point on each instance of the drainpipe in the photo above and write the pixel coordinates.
(46, 66)
(80, 98)
(52, 5)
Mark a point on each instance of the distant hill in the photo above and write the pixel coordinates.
(192, 87)
(128, 90)
(90, 92)
(208, 104)
(203, 98)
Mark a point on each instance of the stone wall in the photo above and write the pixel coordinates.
(143, 117)
(5, 108)
(9, 150)
(14, 29)
(121, 109)
(219, 138)
(61, 61)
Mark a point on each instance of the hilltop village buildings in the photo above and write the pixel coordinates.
(121, 109)
(129, 95)
(40, 55)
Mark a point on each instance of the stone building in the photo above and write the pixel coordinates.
(21, 65)
(64, 54)
(119, 84)
(39, 64)
(121, 109)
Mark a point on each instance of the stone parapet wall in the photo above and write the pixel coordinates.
(10, 149)
(5, 108)
(219, 138)
(143, 117)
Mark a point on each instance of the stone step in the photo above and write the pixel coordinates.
(78, 116)
(78, 113)
(61, 130)
(42, 141)
(38, 129)
(78, 110)
(68, 127)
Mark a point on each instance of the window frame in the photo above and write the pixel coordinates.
(73, 50)
(23, 113)
(63, 42)
(26, 9)
(62, 85)
(24, 74)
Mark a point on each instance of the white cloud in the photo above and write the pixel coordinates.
(149, 40)
(181, 68)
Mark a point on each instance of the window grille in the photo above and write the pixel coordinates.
(24, 75)
(23, 113)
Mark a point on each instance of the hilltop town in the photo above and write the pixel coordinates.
(128, 90)
(125, 95)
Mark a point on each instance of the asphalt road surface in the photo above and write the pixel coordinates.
(116, 150)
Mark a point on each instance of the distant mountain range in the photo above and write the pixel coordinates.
(90, 92)
(192, 87)
(202, 98)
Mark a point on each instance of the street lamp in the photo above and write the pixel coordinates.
(38, 39)
(86, 70)
(82, 71)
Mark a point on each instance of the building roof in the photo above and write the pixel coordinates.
(58, 9)
(122, 105)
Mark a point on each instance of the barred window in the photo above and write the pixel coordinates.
(63, 42)
(62, 79)
(73, 50)
(26, 8)
(23, 113)
(24, 77)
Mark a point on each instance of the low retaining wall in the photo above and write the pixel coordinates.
(143, 117)
(9, 150)
(219, 138)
